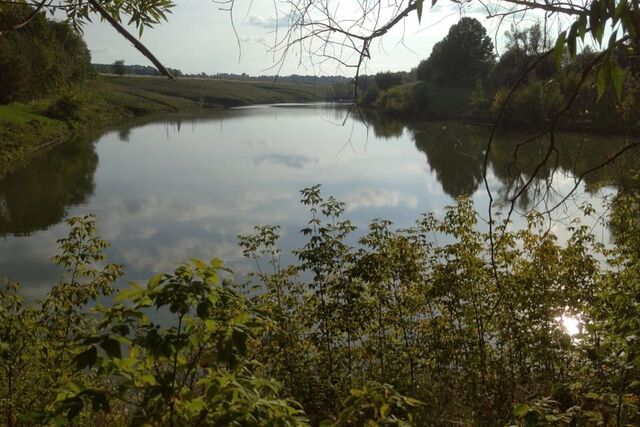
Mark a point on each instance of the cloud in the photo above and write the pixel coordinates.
(376, 198)
(104, 51)
(270, 23)
(258, 40)
(168, 256)
(288, 160)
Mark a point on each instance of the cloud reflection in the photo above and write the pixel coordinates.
(378, 198)
(288, 160)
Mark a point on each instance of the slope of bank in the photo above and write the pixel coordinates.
(28, 128)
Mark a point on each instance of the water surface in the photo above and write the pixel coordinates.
(177, 188)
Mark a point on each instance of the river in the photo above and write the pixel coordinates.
(167, 190)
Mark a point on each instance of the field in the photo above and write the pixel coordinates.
(206, 92)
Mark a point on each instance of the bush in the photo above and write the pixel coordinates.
(394, 330)
(396, 101)
(67, 105)
(371, 95)
(532, 105)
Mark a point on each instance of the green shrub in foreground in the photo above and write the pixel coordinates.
(396, 330)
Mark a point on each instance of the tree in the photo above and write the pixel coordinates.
(387, 80)
(119, 68)
(525, 47)
(39, 58)
(462, 57)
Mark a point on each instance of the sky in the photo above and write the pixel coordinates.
(199, 37)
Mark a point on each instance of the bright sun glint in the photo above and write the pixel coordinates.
(571, 324)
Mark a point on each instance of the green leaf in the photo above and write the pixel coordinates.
(520, 410)
(129, 293)
(385, 410)
(86, 358)
(75, 406)
(203, 309)
(155, 281)
(602, 79)
(419, 4)
(617, 78)
(216, 262)
(111, 347)
(99, 402)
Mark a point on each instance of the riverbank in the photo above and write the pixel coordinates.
(108, 100)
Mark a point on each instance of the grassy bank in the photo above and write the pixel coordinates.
(28, 128)
(213, 93)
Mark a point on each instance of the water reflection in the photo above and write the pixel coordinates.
(455, 152)
(185, 187)
(39, 195)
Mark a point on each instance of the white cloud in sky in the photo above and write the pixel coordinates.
(270, 23)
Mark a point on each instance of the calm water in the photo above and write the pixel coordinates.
(166, 191)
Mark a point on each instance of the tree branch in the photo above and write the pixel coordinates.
(126, 34)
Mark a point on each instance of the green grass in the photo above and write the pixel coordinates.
(22, 131)
(214, 93)
(137, 101)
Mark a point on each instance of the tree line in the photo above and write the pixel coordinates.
(528, 85)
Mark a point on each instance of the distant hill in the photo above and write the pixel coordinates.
(293, 78)
(138, 70)
(145, 70)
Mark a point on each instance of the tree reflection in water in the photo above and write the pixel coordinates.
(37, 196)
(455, 154)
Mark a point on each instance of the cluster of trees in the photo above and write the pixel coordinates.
(463, 67)
(398, 330)
(39, 58)
(292, 78)
(119, 67)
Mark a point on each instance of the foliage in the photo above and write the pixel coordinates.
(69, 105)
(533, 105)
(462, 57)
(479, 103)
(376, 405)
(388, 328)
(40, 58)
(118, 67)
(395, 100)
(141, 14)
(387, 80)
(370, 96)
(37, 342)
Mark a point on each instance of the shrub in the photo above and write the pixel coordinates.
(396, 100)
(393, 330)
(532, 105)
(371, 95)
(67, 105)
